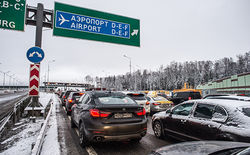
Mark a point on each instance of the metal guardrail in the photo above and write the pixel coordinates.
(12, 114)
(38, 145)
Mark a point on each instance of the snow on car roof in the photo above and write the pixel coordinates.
(224, 102)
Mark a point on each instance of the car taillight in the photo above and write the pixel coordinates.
(64, 96)
(70, 101)
(189, 98)
(98, 113)
(141, 112)
(156, 103)
(147, 103)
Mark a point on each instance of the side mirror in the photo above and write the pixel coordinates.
(217, 117)
(169, 111)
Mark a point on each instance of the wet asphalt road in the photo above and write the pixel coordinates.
(69, 141)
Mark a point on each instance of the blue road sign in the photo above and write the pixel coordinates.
(83, 23)
(35, 54)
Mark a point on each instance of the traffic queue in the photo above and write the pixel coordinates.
(102, 116)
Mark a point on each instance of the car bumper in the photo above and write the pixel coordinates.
(158, 109)
(115, 132)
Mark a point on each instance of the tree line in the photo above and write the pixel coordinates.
(174, 75)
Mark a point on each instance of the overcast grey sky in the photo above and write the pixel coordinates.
(171, 30)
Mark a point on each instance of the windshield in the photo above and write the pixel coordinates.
(116, 100)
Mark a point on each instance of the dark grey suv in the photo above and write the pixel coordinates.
(108, 116)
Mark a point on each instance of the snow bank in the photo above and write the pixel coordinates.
(51, 144)
(44, 98)
(21, 142)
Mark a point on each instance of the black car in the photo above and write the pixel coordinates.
(108, 116)
(65, 96)
(204, 148)
(71, 100)
(179, 97)
(205, 119)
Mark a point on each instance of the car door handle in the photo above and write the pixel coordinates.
(183, 120)
(210, 126)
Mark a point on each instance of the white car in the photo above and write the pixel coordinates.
(141, 99)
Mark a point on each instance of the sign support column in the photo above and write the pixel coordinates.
(38, 43)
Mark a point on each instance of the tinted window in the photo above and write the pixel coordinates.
(204, 111)
(219, 110)
(182, 94)
(85, 99)
(246, 111)
(137, 96)
(116, 100)
(183, 109)
(195, 95)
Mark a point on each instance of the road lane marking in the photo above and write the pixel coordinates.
(90, 150)
(77, 131)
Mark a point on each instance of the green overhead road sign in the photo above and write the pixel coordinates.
(82, 23)
(12, 14)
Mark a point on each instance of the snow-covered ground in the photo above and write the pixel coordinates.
(51, 144)
(25, 133)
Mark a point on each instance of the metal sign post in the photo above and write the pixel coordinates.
(39, 18)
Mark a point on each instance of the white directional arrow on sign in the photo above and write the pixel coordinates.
(32, 54)
(135, 32)
(39, 55)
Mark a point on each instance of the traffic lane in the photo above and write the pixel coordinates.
(67, 136)
(8, 97)
(145, 146)
(8, 105)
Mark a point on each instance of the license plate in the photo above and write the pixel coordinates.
(123, 115)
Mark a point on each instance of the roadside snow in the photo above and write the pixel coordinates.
(44, 98)
(21, 142)
(51, 144)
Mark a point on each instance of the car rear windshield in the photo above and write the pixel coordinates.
(159, 98)
(116, 100)
(137, 96)
(193, 95)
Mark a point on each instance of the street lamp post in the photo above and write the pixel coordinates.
(129, 63)
(10, 79)
(4, 73)
(129, 68)
(48, 70)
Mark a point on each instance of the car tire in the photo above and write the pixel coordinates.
(136, 140)
(157, 128)
(82, 137)
(68, 112)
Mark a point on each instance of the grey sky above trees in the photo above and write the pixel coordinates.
(171, 30)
